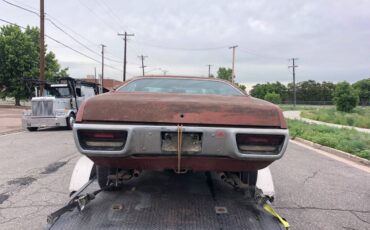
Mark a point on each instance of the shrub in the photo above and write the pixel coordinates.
(345, 97)
(273, 98)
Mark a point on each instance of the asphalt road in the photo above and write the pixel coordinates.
(313, 191)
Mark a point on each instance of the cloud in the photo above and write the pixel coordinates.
(329, 38)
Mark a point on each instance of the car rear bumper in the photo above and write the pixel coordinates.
(43, 122)
(145, 141)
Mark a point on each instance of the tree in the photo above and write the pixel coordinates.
(224, 74)
(273, 98)
(312, 92)
(19, 58)
(261, 90)
(242, 87)
(345, 97)
(363, 89)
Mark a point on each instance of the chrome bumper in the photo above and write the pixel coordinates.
(146, 140)
(43, 122)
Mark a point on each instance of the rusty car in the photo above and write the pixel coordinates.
(181, 124)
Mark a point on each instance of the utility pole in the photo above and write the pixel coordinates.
(294, 88)
(124, 52)
(142, 57)
(102, 69)
(233, 69)
(209, 70)
(95, 75)
(42, 46)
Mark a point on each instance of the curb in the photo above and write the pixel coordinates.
(336, 152)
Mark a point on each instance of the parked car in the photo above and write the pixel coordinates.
(180, 123)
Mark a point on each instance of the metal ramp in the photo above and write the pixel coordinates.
(165, 200)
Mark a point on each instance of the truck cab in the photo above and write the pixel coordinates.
(58, 104)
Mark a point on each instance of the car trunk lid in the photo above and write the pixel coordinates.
(160, 108)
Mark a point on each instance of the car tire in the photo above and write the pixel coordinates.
(102, 174)
(250, 178)
(70, 121)
(32, 129)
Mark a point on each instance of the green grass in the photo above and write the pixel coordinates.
(360, 117)
(348, 140)
(303, 107)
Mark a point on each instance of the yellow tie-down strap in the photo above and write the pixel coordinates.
(270, 210)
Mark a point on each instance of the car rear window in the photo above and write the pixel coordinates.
(187, 86)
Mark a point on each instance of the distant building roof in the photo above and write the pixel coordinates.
(109, 84)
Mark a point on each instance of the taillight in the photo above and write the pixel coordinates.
(260, 143)
(110, 140)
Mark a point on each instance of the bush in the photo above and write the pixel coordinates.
(345, 97)
(273, 98)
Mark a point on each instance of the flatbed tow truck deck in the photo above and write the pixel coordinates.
(165, 200)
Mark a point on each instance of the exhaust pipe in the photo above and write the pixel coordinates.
(222, 175)
(136, 173)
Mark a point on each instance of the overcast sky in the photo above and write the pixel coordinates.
(330, 38)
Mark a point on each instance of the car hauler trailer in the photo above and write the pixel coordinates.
(59, 104)
(165, 200)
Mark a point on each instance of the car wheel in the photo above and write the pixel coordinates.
(102, 174)
(71, 121)
(32, 129)
(250, 178)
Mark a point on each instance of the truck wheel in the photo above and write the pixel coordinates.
(32, 129)
(250, 178)
(102, 174)
(71, 121)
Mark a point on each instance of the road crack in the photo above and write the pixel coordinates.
(323, 209)
(311, 177)
(358, 217)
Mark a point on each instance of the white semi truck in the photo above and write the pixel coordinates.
(58, 104)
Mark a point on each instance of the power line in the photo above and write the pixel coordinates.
(107, 25)
(86, 47)
(65, 45)
(112, 14)
(20, 7)
(63, 31)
